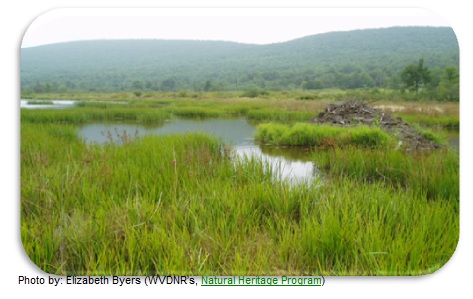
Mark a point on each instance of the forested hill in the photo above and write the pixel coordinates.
(352, 59)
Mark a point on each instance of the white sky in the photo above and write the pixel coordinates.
(258, 26)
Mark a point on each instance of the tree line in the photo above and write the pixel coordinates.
(425, 83)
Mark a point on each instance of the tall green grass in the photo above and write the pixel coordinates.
(91, 114)
(193, 112)
(445, 121)
(368, 229)
(271, 115)
(302, 134)
(433, 174)
(429, 134)
(181, 204)
(101, 104)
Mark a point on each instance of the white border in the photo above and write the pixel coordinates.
(451, 279)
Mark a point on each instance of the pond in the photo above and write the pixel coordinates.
(292, 164)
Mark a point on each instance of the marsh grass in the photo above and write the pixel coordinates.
(432, 135)
(194, 112)
(90, 114)
(101, 104)
(181, 204)
(40, 102)
(430, 114)
(302, 134)
(447, 121)
(155, 110)
(434, 174)
(267, 115)
(122, 137)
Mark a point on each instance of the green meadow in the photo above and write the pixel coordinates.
(186, 204)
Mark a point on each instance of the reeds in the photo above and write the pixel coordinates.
(302, 134)
(267, 115)
(90, 114)
(447, 121)
(181, 204)
(433, 174)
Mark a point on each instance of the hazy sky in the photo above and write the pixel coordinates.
(258, 26)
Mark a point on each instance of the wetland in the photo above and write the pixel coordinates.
(225, 185)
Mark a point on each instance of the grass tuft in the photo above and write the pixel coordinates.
(302, 134)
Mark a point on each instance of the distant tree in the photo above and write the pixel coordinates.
(168, 85)
(208, 86)
(38, 88)
(148, 84)
(271, 75)
(70, 84)
(314, 84)
(449, 89)
(137, 85)
(452, 74)
(304, 85)
(415, 76)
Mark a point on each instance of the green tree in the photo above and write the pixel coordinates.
(449, 89)
(304, 85)
(137, 85)
(168, 84)
(208, 86)
(452, 74)
(415, 76)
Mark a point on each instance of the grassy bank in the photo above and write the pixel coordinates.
(277, 106)
(429, 114)
(90, 114)
(158, 110)
(267, 115)
(182, 204)
(325, 136)
(449, 122)
(40, 102)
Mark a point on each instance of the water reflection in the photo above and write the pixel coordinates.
(292, 164)
(294, 170)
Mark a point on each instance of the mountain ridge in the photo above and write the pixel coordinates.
(323, 59)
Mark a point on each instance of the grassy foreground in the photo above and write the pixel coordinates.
(185, 205)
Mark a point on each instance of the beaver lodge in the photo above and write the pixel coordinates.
(352, 113)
